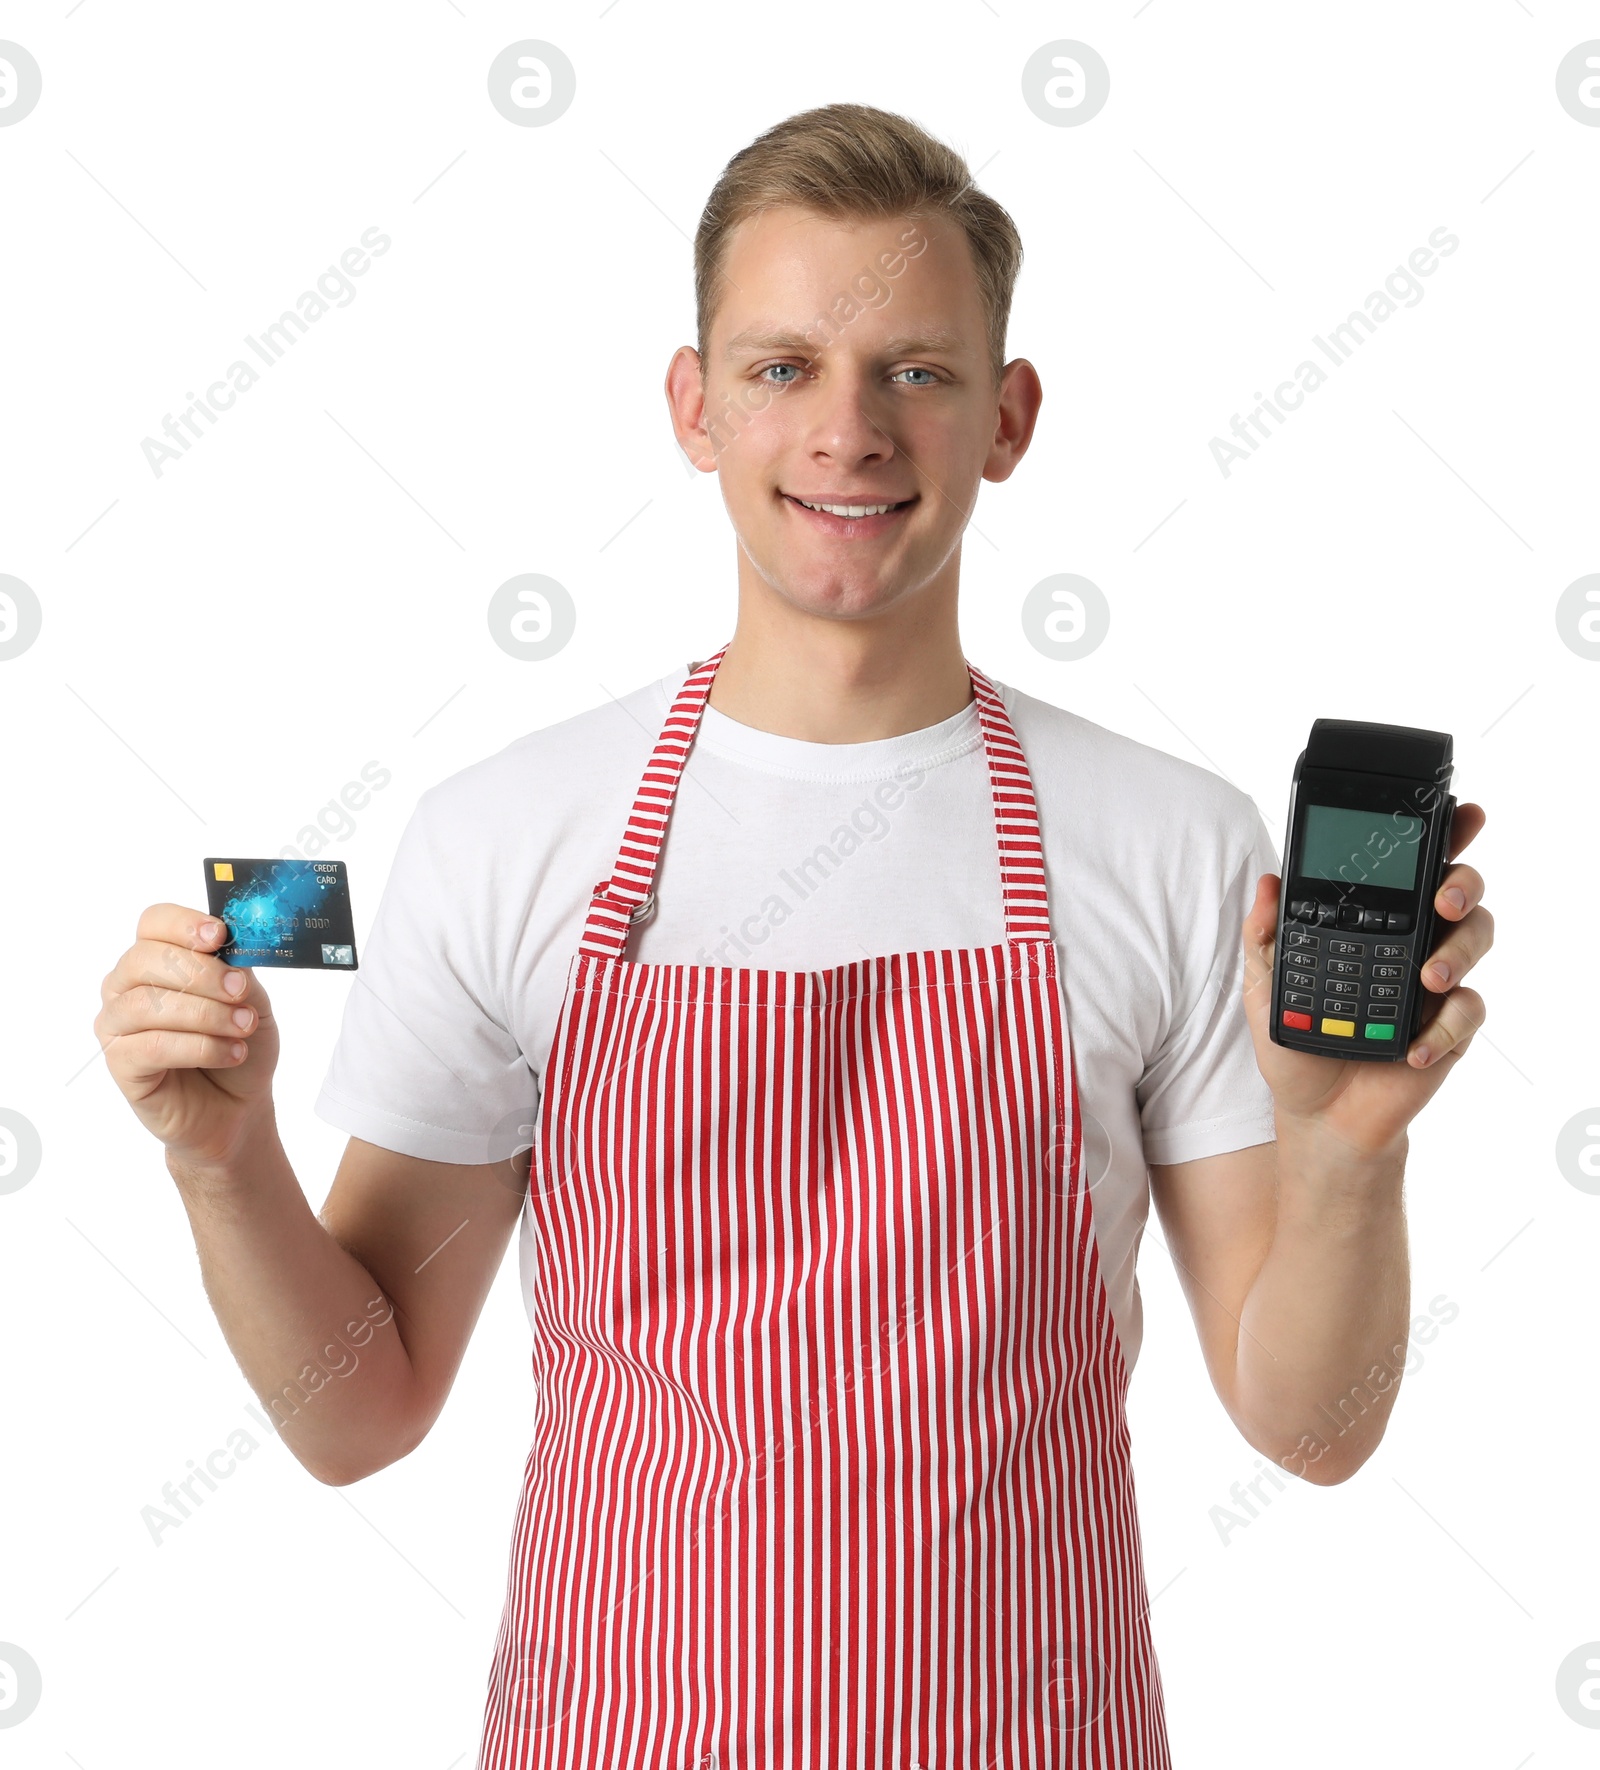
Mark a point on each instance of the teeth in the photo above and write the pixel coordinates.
(849, 509)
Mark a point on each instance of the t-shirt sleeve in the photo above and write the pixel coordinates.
(1203, 1093)
(424, 1062)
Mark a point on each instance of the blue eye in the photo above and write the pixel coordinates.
(793, 372)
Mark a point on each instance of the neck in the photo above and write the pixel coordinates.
(833, 680)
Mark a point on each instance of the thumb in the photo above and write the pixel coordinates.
(1261, 920)
(1257, 934)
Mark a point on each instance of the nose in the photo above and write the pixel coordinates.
(844, 427)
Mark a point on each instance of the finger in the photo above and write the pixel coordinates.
(1259, 933)
(1469, 819)
(147, 1007)
(1455, 956)
(164, 965)
(1460, 1015)
(1460, 890)
(141, 1057)
(182, 926)
(1263, 913)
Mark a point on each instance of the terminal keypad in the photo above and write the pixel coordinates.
(1344, 987)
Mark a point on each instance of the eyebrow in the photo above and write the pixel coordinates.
(931, 338)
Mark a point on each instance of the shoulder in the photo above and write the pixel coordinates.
(553, 777)
(1088, 773)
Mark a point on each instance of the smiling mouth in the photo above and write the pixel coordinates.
(852, 512)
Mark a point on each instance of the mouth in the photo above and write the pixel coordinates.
(854, 519)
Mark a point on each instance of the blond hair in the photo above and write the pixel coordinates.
(849, 161)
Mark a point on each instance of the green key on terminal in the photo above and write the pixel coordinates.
(1377, 1030)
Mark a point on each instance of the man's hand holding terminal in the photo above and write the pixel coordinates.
(1324, 1328)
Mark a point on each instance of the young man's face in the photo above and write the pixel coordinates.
(848, 364)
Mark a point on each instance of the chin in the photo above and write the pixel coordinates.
(832, 595)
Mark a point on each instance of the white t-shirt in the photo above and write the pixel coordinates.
(787, 855)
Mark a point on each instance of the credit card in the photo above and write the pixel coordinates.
(283, 912)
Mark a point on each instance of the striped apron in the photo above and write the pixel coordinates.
(830, 1463)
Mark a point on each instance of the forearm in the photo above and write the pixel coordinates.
(312, 1330)
(1322, 1339)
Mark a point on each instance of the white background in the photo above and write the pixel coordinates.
(226, 645)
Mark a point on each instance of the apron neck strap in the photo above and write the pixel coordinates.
(627, 897)
(1023, 890)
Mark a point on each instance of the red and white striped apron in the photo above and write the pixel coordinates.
(830, 1464)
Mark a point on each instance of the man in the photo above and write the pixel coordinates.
(831, 1338)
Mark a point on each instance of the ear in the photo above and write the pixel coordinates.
(686, 402)
(1020, 397)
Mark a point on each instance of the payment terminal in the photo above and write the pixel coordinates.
(1369, 822)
